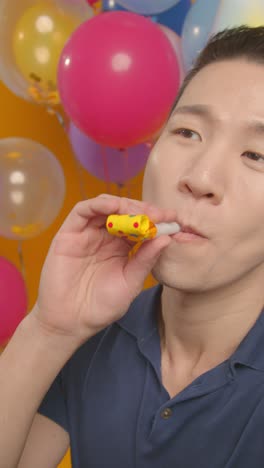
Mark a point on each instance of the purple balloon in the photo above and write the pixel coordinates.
(108, 164)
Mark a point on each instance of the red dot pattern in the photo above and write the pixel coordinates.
(135, 225)
(110, 225)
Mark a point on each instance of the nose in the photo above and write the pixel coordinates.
(205, 177)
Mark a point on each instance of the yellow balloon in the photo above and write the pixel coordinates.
(39, 37)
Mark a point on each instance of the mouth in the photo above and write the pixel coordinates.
(191, 230)
(189, 234)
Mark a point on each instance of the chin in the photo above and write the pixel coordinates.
(181, 286)
(185, 281)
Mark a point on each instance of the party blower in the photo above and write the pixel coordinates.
(138, 228)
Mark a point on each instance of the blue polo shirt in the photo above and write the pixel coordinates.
(110, 398)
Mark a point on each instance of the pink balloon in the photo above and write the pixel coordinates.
(118, 78)
(108, 164)
(13, 299)
(175, 41)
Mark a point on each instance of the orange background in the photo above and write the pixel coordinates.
(23, 119)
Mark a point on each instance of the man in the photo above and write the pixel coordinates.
(172, 376)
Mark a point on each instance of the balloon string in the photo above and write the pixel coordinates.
(62, 121)
(106, 170)
(21, 259)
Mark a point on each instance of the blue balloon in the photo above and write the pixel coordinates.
(111, 5)
(175, 16)
(172, 18)
(147, 7)
(196, 29)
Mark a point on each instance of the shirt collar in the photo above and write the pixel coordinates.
(141, 317)
(250, 351)
(141, 321)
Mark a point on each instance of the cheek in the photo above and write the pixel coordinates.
(160, 177)
(246, 206)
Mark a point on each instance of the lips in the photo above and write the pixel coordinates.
(191, 230)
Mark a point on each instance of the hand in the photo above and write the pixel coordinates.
(88, 281)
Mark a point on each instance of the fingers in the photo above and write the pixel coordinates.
(156, 214)
(93, 212)
(84, 211)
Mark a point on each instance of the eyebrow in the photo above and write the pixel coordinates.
(195, 109)
(201, 110)
(256, 126)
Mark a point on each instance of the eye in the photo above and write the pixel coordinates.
(187, 133)
(254, 156)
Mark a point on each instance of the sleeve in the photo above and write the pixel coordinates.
(53, 406)
(57, 404)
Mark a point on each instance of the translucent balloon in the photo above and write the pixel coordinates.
(147, 7)
(32, 35)
(196, 29)
(32, 188)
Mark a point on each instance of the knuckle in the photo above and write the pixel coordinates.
(106, 195)
(78, 205)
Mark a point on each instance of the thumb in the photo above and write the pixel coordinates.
(142, 262)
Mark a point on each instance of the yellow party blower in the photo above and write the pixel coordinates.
(138, 228)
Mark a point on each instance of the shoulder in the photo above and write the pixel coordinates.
(138, 317)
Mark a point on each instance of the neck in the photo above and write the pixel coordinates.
(205, 328)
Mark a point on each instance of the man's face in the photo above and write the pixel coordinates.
(208, 165)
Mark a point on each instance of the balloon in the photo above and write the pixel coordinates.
(108, 164)
(147, 7)
(32, 188)
(196, 29)
(112, 5)
(97, 5)
(175, 41)
(32, 35)
(119, 94)
(237, 13)
(13, 299)
(175, 16)
(39, 37)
